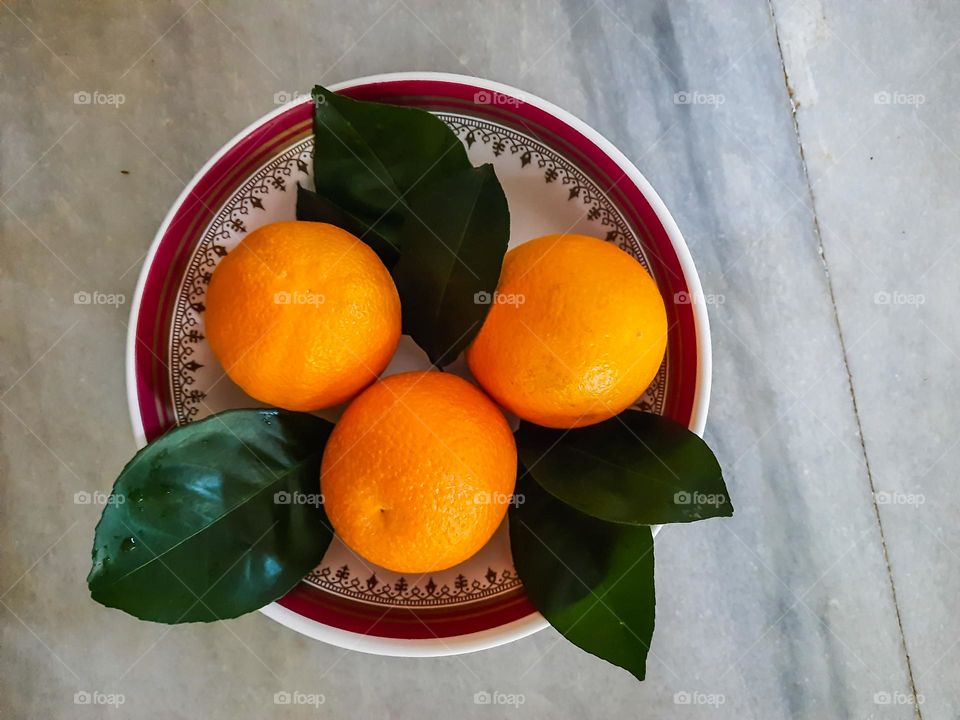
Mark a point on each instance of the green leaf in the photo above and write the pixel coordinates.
(214, 519)
(592, 580)
(368, 155)
(453, 248)
(635, 468)
(400, 179)
(316, 208)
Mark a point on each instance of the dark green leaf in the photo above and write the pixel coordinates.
(635, 468)
(368, 155)
(453, 247)
(316, 208)
(214, 519)
(592, 580)
(400, 179)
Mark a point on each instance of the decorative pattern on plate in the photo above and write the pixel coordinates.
(400, 593)
(280, 174)
(555, 168)
(238, 215)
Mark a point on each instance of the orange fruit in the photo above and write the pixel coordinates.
(418, 472)
(576, 332)
(302, 315)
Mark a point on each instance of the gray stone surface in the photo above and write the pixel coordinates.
(828, 239)
(881, 146)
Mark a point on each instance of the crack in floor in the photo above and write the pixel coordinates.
(843, 349)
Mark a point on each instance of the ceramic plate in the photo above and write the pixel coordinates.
(558, 174)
